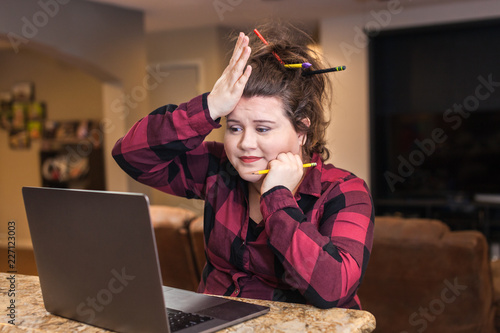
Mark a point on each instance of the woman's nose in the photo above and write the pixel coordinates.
(248, 140)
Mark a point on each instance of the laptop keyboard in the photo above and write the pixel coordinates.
(179, 320)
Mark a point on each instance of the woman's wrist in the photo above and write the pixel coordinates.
(212, 110)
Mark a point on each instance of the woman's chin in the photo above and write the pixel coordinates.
(245, 172)
(250, 177)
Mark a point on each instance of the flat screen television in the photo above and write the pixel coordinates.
(435, 112)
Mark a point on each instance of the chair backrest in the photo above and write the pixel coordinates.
(424, 277)
(175, 253)
(196, 234)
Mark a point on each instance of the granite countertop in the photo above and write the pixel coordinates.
(31, 315)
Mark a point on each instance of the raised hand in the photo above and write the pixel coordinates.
(228, 89)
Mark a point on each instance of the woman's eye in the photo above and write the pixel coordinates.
(262, 129)
(234, 129)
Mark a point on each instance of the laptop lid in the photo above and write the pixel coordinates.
(96, 258)
(97, 262)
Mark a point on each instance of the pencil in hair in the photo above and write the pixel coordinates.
(302, 65)
(327, 70)
(266, 43)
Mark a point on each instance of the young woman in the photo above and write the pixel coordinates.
(294, 234)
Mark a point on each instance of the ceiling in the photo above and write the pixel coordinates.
(182, 14)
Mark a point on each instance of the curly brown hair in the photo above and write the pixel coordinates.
(303, 97)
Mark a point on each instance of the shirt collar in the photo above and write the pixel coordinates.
(311, 184)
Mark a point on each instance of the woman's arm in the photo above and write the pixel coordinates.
(157, 150)
(324, 261)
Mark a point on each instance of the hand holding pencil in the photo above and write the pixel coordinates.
(286, 170)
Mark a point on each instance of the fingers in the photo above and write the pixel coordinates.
(237, 65)
(286, 170)
(239, 49)
(293, 161)
(241, 44)
(242, 60)
(242, 80)
(229, 87)
(288, 163)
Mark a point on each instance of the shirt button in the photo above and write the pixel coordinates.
(236, 292)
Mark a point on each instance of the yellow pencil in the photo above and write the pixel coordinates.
(263, 172)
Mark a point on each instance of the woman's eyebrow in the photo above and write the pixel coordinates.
(264, 121)
(254, 121)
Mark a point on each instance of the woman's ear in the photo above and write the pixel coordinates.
(303, 135)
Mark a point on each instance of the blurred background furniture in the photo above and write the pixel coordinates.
(175, 251)
(196, 234)
(424, 277)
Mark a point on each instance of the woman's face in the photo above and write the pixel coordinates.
(257, 131)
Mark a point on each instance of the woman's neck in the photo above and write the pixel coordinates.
(254, 202)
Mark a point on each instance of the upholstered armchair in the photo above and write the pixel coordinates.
(422, 277)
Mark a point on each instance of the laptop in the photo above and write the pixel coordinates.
(97, 262)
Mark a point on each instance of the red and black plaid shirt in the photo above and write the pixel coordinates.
(310, 248)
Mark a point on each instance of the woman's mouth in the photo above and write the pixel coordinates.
(250, 159)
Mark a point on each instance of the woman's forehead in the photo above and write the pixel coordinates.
(258, 108)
